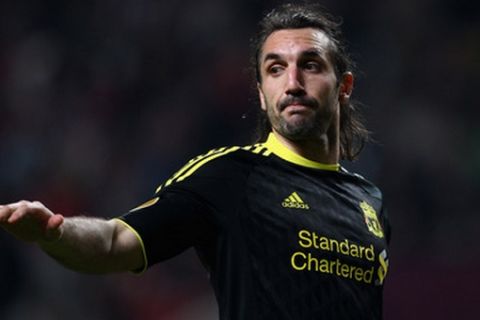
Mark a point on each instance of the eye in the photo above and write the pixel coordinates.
(312, 66)
(275, 69)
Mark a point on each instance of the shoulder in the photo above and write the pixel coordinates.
(219, 163)
(366, 185)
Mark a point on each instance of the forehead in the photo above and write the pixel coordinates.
(289, 41)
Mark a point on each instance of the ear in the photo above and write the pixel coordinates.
(345, 88)
(261, 96)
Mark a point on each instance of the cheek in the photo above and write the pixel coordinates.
(324, 90)
(269, 97)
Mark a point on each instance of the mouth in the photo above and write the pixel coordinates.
(296, 108)
(296, 104)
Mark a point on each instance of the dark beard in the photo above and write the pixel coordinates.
(305, 129)
(301, 130)
(309, 127)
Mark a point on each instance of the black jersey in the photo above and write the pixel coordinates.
(282, 237)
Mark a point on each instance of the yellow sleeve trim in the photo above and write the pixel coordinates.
(142, 245)
(147, 204)
(283, 152)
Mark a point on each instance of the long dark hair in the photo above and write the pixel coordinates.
(353, 134)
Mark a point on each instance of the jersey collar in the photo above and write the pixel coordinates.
(279, 149)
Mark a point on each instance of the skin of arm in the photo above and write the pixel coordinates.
(83, 244)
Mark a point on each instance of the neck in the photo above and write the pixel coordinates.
(324, 149)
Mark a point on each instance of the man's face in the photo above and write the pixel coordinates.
(299, 89)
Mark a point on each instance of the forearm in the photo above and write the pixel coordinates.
(83, 244)
(87, 245)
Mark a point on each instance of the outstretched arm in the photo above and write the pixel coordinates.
(80, 243)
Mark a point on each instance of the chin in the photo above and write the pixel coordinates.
(299, 133)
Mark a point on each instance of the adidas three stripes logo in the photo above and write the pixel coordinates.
(294, 201)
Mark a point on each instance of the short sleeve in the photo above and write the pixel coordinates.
(191, 207)
(170, 224)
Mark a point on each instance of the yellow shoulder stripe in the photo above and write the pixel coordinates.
(189, 164)
(195, 163)
(204, 161)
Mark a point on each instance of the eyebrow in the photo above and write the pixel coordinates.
(309, 53)
(271, 56)
(312, 53)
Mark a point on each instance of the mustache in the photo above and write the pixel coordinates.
(304, 100)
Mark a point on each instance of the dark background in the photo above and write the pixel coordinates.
(100, 101)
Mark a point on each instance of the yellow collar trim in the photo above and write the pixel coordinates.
(278, 148)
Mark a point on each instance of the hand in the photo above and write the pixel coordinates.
(31, 221)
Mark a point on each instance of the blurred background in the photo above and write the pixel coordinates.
(100, 101)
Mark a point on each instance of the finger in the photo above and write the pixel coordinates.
(5, 213)
(18, 204)
(18, 214)
(7, 210)
(37, 205)
(40, 208)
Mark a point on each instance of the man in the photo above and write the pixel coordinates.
(284, 231)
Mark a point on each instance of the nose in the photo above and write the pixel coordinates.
(295, 83)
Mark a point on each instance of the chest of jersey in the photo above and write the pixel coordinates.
(314, 225)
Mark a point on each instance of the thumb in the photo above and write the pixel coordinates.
(54, 228)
